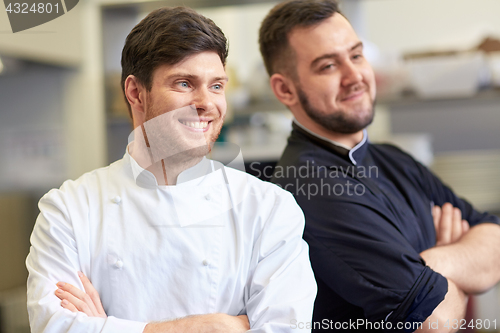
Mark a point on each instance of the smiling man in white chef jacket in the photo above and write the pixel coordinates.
(166, 240)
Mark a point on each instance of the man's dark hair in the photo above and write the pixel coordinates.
(275, 48)
(167, 36)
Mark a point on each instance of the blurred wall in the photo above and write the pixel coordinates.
(16, 221)
(415, 24)
(32, 127)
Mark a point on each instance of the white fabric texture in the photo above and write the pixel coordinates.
(218, 241)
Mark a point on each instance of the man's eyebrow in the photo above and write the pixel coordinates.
(181, 76)
(334, 55)
(221, 78)
(194, 77)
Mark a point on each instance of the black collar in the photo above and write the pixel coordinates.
(354, 155)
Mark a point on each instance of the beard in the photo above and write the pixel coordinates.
(337, 121)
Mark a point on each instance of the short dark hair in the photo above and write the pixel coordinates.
(167, 36)
(280, 21)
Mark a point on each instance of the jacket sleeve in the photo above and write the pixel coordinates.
(54, 257)
(441, 194)
(358, 252)
(282, 288)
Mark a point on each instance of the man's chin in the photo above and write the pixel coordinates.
(212, 137)
(189, 147)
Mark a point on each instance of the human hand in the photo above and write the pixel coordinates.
(449, 225)
(76, 300)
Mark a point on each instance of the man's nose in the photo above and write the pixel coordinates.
(351, 74)
(203, 99)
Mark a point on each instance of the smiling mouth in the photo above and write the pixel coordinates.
(354, 96)
(195, 124)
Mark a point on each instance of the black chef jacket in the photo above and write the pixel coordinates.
(368, 216)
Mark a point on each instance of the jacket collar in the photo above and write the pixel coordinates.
(354, 155)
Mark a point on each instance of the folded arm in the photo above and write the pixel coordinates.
(466, 257)
(55, 255)
(89, 302)
(280, 289)
(471, 262)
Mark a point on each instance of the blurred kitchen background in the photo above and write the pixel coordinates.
(62, 112)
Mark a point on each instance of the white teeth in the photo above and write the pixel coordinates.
(195, 124)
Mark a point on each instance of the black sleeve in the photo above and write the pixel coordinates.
(359, 253)
(440, 194)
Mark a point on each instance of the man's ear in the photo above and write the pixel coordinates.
(284, 89)
(136, 96)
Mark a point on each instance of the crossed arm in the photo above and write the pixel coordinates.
(470, 260)
(89, 302)
(465, 257)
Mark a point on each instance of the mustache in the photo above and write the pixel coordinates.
(353, 89)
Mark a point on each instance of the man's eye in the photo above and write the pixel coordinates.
(184, 84)
(357, 56)
(217, 86)
(328, 66)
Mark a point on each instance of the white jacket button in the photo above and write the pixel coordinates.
(117, 199)
(119, 264)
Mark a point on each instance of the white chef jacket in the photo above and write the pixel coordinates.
(218, 241)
